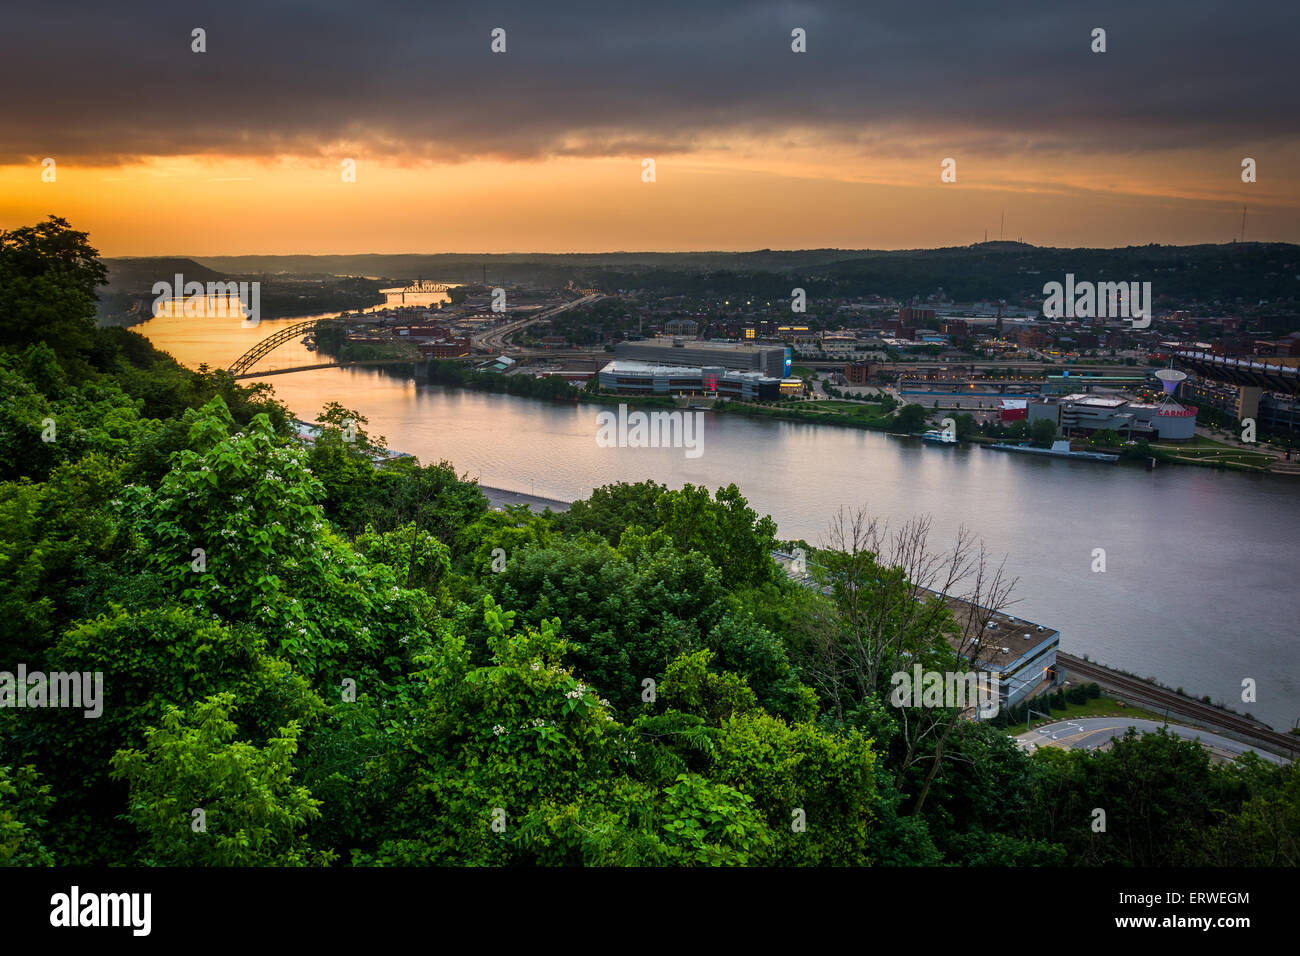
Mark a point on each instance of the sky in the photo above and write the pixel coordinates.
(242, 149)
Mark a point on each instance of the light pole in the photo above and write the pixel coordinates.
(1029, 714)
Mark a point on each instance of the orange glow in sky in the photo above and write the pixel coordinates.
(750, 196)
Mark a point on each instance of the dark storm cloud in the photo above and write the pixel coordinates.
(95, 82)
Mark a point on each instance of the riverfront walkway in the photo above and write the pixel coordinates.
(500, 497)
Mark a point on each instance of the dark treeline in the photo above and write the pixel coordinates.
(1246, 274)
(311, 660)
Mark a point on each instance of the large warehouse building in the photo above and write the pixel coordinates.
(642, 378)
(772, 361)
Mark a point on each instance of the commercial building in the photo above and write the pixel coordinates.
(910, 316)
(500, 365)
(773, 361)
(858, 373)
(1082, 412)
(444, 348)
(643, 378)
(1021, 654)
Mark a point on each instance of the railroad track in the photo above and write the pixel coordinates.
(1143, 693)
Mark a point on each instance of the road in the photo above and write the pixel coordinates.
(494, 340)
(1089, 733)
(1158, 699)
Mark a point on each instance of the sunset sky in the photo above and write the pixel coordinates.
(161, 150)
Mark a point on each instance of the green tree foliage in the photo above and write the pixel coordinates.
(1042, 432)
(360, 494)
(609, 510)
(1159, 793)
(725, 529)
(149, 660)
(625, 613)
(966, 428)
(57, 535)
(911, 418)
(48, 277)
(252, 813)
(24, 801)
(249, 505)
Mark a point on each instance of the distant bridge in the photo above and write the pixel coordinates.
(242, 366)
(423, 285)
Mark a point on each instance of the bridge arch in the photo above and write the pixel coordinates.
(273, 341)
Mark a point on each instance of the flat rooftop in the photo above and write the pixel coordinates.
(646, 368)
(667, 343)
(1097, 401)
(1017, 635)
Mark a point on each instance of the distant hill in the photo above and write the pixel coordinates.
(128, 297)
(468, 267)
(139, 275)
(1229, 275)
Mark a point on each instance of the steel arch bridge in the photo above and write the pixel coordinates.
(240, 368)
(273, 341)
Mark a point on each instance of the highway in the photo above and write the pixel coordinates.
(494, 340)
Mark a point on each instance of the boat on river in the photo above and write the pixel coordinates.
(1059, 449)
(935, 437)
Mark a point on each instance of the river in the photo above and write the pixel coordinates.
(1200, 582)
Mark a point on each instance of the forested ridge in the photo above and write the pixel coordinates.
(311, 660)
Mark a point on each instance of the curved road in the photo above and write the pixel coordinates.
(1089, 733)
